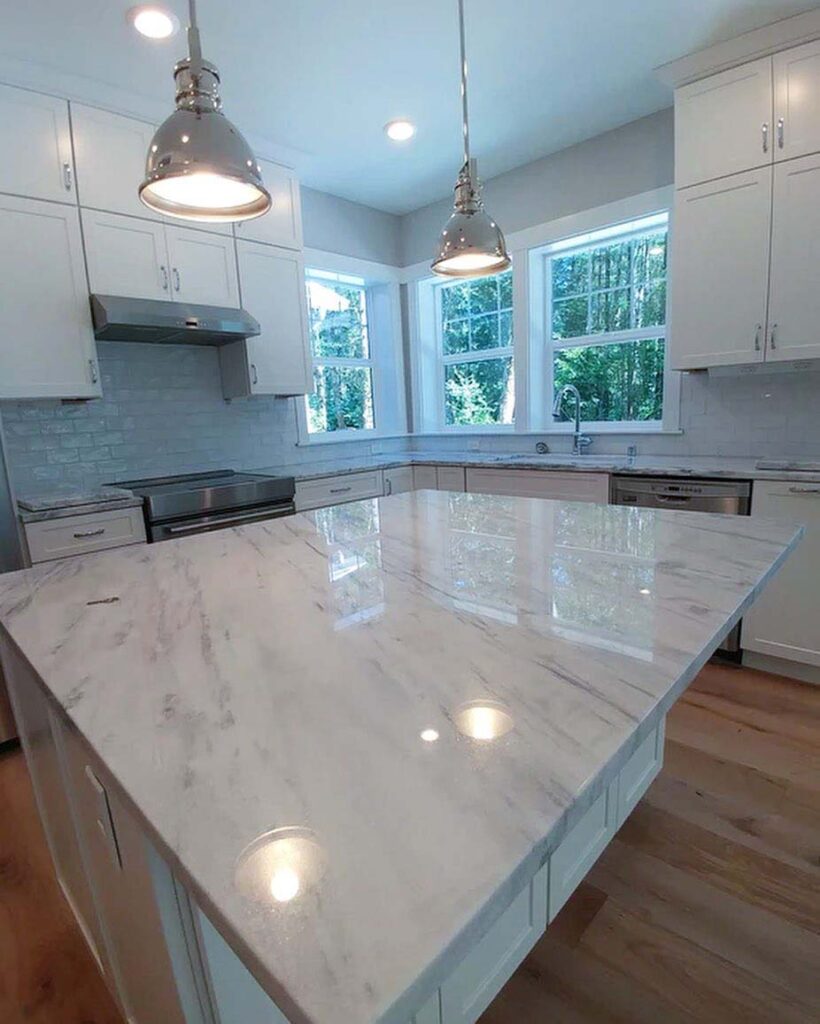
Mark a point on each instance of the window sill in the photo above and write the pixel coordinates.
(547, 431)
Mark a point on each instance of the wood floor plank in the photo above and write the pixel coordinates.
(790, 700)
(686, 975)
(745, 935)
(47, 973)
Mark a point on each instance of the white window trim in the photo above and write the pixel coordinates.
(531, 406)
(386, 360)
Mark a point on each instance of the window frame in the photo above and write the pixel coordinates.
(380, 283)
(480, 355)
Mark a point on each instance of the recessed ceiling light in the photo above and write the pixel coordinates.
(400, 130)
(429, 735)
(153, 22)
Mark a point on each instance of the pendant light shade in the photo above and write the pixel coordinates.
(471, 244)
(199, 167)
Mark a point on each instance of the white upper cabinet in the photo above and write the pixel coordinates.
(47, 345)
(797, 101)
(723, 124)
(37, 159)
(277, 361)
(202, 267)
(282, 224)
(794, 296)
(110, 151)
(126, 256)
(719, 271)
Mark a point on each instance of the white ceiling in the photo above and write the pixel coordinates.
(314, 81)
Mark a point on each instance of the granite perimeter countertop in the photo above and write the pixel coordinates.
(70, 502)
(281, 675)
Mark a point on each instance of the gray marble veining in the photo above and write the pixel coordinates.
(282, 674)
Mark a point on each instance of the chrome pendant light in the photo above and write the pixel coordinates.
(471, 243)
(199, 167)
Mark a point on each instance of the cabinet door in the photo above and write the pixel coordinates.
(794, 298)
(282, 224)
(110, 151)
(273, 291)
(797, 101)
(719, 267)
(46, 340)
(723, 124)
(784, 622)
(203, 267)
(37, 158)
(450, 478)
(398, 480)
(118, 860)
(572, 486)
(425, 478)
(126, 256)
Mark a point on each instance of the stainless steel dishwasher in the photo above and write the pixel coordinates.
(730, 497)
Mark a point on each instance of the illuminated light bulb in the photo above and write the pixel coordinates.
(400, 130)
(284, 885)
(429, 735)
(153, 22)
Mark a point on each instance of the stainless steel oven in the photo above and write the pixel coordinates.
(729, 497)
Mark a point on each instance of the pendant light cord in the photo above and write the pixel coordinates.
(194, 47)
(465, 122)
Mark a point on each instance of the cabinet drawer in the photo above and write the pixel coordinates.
(540, 484)
(333, 490)
(75, 535)
(581, 847)
(487, 967)
(639, 771)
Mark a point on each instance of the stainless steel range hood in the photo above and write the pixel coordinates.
(119, 318)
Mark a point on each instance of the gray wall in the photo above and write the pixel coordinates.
(634, 158)
(337, 225)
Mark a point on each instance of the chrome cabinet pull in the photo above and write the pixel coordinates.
(92, 366)
(254, 374)
(163, 271)
(758, 332)
(804, 490)
(780, 126)
(388, 483)
(764, 129)
(82, 534)
(340, 490)
(67, 176)
(773, 336)
(175, 272)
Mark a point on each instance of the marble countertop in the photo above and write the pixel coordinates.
(322, 672)
(649, 465)
(58, 503)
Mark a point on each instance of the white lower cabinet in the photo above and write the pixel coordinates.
(398, 480)
(571, 486)
(637, 774)
(50, 539)
(785, 622)
(488, 966)
(47, 347)
(450, 478)
(425, 478)
(333, 490)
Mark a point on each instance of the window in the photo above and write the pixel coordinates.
(477, 386)
(340, 346)
(606, 317)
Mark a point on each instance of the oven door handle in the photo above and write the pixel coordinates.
(231, 520)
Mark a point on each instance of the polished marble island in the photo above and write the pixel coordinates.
(357, 741)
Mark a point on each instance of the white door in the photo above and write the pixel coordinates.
(37, 158)
(126, 256)
(723, 124)
(784, 621)
(273, 291)
(47, 345)
(110, 151)
(719, 267)
(794, 297)
(282, 224)
(203, 267)
(797, 101)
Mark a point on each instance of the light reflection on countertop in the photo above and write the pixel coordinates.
(424, 684)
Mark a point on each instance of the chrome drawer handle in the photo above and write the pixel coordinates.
(773, 336)
(780, 124)
(90, 533)
(340, 490)
(804, 490)
(67, 176)
(254, 374)
(764, 129)
(92, 366)
(757, 337)
(164, 274)
(175, 272)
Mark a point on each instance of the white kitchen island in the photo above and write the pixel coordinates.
(361, 755)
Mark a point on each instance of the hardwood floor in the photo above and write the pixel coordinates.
(706, 906)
